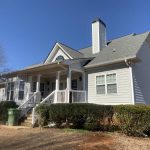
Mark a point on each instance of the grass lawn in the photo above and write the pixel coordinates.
(67, 139)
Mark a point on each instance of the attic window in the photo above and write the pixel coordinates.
(60, 58)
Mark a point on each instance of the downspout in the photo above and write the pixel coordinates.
(131, 80)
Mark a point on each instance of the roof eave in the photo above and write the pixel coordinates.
(32, 69)
(134, 59)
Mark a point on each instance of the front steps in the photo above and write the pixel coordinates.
(27, 121)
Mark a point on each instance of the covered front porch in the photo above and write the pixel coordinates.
(58, 82)
(65, 86)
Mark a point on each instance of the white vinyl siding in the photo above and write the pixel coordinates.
(59, 53)
(123, 80)
(141, 76)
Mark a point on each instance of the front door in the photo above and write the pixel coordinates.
(42, 89)
(74, 84)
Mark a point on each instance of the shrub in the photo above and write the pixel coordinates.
(77, 115)
(133, 119)
(4, 106)
(43, 114)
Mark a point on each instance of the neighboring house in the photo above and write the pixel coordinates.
(108, 72)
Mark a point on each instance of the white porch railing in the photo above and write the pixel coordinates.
(61, 96)
(29, 104)
(49, 99)
(77, 96)
(2, 97)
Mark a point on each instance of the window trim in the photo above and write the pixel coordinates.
(10, 90)
(105, 75)
(60, 58)
(20, 90)
(101, 85)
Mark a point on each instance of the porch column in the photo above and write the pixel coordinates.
(38, 95)
(68, 85)
(69, 79)
(57, 80)
(29, 86)
(30, 83)
(57, 86)
(83, 80)
(38, 83)
(84, 89)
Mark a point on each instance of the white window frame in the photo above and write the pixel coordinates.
(20, 90)
(105, 75)
(111, 83)
(101, 84)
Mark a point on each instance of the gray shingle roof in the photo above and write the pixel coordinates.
(118, 49)
(73, 53)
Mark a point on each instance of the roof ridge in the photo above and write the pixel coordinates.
(66, 45)
(131, 34)
(124, 36)
(69, 47)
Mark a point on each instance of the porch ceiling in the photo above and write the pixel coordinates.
(42, 69)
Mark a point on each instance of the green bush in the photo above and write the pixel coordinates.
(76, 115)
(130, 119)
(4, 106)
(133, 119)
(43, 114)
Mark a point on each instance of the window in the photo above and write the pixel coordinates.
(10, 91)
(21, 90)
(53, 86)
(100, 84)
(42, 89)
(106, 84)
(34, 87)
(60, 58)
(111, 83)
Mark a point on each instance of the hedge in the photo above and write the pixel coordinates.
(133, 119)
(74, 115)
(130, 119)
(4, 106)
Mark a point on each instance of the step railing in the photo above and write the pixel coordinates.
(29, 104)
(48, 100)
(61, 96)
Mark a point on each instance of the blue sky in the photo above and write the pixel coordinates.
(30, 28)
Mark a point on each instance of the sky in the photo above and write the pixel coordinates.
(30, 28)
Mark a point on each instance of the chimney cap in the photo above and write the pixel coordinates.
(99, 20)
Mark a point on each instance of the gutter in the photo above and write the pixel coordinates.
(129, 64)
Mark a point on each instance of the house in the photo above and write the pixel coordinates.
(108, 72)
